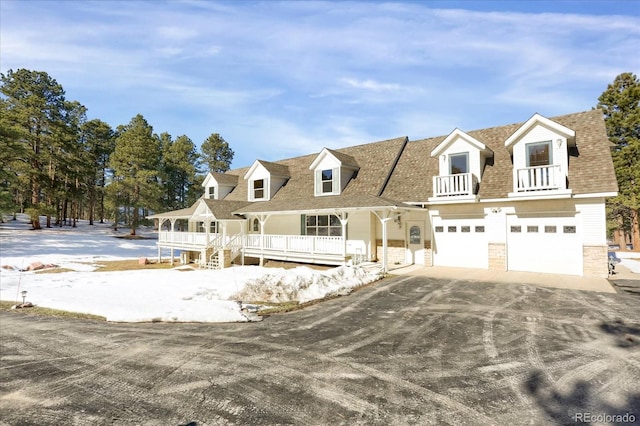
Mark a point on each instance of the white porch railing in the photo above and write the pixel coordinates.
(539, 178)
(295, 243)
(195, 239)
(284, 243)
(451, 185)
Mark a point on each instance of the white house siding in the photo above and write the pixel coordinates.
(559, 153)
(359, 235)
(593, 220)
(282, 225)
(460, 146)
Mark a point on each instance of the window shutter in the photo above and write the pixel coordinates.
(303, 224)
(335, 180)
(318, 182)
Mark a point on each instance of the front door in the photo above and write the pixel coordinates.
(415, 243)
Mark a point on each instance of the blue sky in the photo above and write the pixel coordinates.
(281, 79)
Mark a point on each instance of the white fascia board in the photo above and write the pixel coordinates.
(457, 133)
(539, 119)
(452, 200)
(596, 195)
(515, 196)
(319, 158)
(252, 169)
(207, 179)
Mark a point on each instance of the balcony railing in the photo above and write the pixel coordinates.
(454, 185)
(539, 178)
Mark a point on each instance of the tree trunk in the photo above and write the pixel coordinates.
(635, 231)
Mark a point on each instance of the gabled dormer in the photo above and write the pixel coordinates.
(461, 160)
(332, 172)
(264, 179)
(539, 149)
(218, 185)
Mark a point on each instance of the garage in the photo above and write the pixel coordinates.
(544, 244)
(460, 242)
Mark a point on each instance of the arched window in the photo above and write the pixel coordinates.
(256, 225)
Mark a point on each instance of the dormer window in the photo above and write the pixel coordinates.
(333, 170)
(264, 179)
(539, 154)
(258, 189)
(327, 181)
(459, 163)
(218, 185)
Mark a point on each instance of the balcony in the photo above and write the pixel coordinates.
(462, 184)
(540, 178)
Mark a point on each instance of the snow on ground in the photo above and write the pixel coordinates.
(180, 294)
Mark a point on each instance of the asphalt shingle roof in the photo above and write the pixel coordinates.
(380, 181)
(590, 166)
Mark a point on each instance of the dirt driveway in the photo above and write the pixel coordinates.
(408, 350)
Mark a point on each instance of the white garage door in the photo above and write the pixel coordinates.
(550, 245)
(460, 242)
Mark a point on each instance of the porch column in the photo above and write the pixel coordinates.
(343, 221)
(224, 233)
(243, 226)
(384, 217)
(173, 225)
(160, 222)
(262, 219)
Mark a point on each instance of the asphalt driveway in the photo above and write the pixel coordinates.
(407, 350)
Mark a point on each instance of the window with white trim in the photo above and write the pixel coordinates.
(327, 181)
(213, 227)
(323, 225)
(212, 192)
(459, 163)
(258, 189)
(539, 154)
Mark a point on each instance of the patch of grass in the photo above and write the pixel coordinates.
(53, 271)
(131, 264)
(48, 312)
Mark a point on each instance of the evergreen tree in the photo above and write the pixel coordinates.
(620, 104)
(216, 154)
(135, 163)
(179, 163)
(42, 122)
(99, 142)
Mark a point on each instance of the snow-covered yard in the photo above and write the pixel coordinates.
(179, 294)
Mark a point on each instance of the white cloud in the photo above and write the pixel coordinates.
(370, 85)
(309, 74)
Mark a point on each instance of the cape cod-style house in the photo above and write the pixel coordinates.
(527, 197)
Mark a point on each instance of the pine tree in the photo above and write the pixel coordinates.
(620, 104)
(135, 163)
(216, 153)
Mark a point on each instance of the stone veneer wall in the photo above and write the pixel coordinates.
(428, 255)
(497, 256)
(395, 251)
(594, 261)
